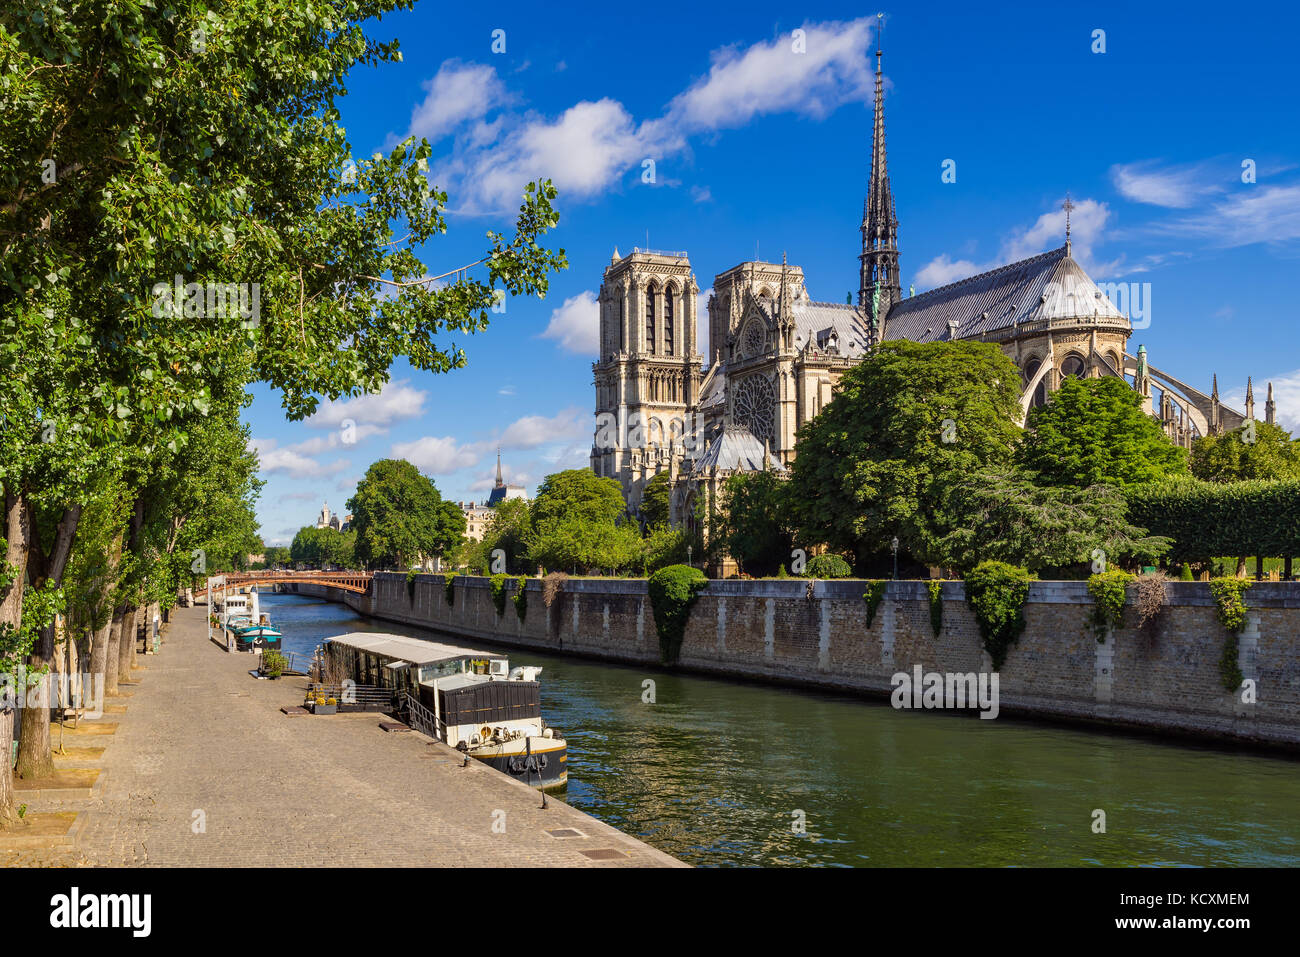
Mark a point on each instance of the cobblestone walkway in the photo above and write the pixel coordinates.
(205, 770)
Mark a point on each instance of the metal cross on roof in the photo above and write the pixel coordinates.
(1068, 206)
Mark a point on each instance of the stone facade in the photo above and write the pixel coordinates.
(1166, 678)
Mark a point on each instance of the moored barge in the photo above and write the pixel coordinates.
(470, 699)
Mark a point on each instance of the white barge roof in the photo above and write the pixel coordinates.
(402, 648)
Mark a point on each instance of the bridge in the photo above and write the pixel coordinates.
(358, 582)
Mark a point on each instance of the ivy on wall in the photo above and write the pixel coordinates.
(411, 577)
(872, 596)
(1230, 606)
(673, 590)
(1109, 591)
(449, 588)
(996, 593)
(497, 584)
(935, 587)
(521, 597)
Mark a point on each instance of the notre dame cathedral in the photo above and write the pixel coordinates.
(776, 354)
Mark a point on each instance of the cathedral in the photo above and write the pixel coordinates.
(776, 354)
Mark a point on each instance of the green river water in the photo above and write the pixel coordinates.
(721, 773)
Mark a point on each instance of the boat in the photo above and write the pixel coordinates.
(470, 699)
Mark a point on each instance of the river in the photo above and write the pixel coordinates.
(716, 772)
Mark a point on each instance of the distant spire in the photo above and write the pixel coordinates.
(1270, 407)
(1068, 206)
(500, 481)
(1250, 399)
(878, 262)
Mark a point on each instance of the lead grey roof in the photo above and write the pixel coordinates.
(402, 648)
(1050, 285)
(737, 449)
(815, 321)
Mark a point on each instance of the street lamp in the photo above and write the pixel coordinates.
(893, 547)
(688, 556)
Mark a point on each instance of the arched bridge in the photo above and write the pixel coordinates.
(358, 582)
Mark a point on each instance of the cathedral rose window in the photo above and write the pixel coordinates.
(755, 406)
(754, 340)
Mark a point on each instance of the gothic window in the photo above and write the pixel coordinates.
(1072, 366)
(1040, 392)
(668, 321)
(755, 406)
(753, 341)
(650, 319)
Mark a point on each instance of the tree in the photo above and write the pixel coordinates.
(753, 523)
(1257, 450)
(876, 461)
(400, 518)
(579, 521)
(1003, 516)
(1095, 432)
(656, 500)
(507, 530)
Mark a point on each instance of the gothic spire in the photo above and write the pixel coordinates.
(500, 480)
(878, 286)
(1270, 407)
(1250, 399)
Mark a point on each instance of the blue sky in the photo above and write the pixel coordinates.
(759, 148)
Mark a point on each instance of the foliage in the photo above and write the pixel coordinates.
(1109, 591)
(1230, 604)
(1095, 432)
(1185, 574)
(935, 588)
(1002, 515)
(1151, 596)
(449, 588)
(497, 584)
(664, 545)
(673, 591)
(579, 522)
(656, 500)
(1207, 520)
(273, 663)
(906, 421)
(1255, 451)
(507, 529)
(412, 578)
(753, 522)
(318, 547)
(521, 597)
(400, 518)
(872, 596)
(826, 566)
(996, 593)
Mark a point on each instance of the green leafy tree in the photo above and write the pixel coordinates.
(656, 500)
(400, 518)
(1257, 450)
(905, 424)
(754, 523)
(1095, 432)
(507, 530)
(579, 521)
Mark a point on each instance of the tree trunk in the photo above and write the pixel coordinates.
(126, 647)
(34, 757)
(111, 653)
(1286, 568)
(1259, 568)
(99, 653)
(1241, 566)
(17, 529)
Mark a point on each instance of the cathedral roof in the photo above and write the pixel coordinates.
(816, 321)
(1047, 286)
(737, 449)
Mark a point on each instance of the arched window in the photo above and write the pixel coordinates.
(1040, 392)
(1073, 366)
(650, 319)
(668, 321)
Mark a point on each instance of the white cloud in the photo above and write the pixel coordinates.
(772, 78)
(588, 147)
(942, 270)
(271, 458)
(1255, 214)
(459, 93)
(1174, 187)
(437, 455)
(1286, 394)
(534, 430)
(394, 402)
(576, 324)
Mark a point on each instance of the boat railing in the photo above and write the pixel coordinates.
(356, 697)
(423, 720)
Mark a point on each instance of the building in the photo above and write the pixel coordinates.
(476, 519)
(326, 519)
(501, 491)
(776, 354)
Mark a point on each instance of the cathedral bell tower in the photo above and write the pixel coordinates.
(879, 283)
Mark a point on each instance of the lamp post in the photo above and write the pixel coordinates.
(688, 556)
(893, 547)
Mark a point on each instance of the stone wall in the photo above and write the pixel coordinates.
(1166, 677)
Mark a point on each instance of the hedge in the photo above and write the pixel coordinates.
(1207, 520)
(673, 590)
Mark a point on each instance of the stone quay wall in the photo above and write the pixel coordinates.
(1164, 678)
